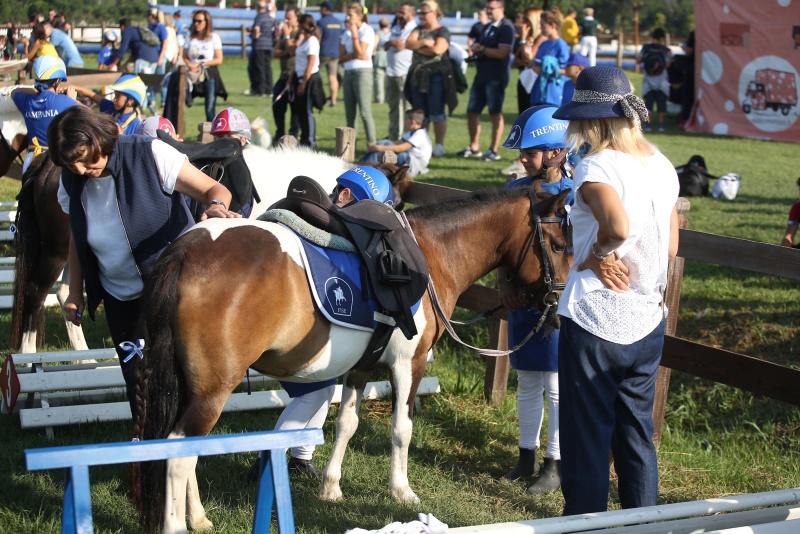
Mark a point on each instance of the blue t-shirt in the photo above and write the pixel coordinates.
(540, 353)
(138, 49)
(331, 29)
(130, 120)
(38, 110)
(106, 55)
(180, 28)
(495, 37)
(161, 32)
(66, 48)
(549, 87)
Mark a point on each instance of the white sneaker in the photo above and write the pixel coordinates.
(439, 150)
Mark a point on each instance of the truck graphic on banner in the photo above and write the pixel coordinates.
(772, 89)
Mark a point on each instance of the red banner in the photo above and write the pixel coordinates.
(746, 59)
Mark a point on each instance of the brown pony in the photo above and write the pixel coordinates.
(232, 294)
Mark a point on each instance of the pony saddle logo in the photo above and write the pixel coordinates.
(339, 295)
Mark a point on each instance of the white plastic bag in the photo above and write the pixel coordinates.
(726, 186)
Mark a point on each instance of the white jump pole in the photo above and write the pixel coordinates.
(663, 512)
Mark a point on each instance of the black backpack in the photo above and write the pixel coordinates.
(694, 178)
(655, 60)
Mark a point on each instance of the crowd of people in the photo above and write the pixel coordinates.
(622, 194)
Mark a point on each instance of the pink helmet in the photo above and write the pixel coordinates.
(154, 123)
(231, 120)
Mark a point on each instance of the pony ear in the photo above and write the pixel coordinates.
(555, 203)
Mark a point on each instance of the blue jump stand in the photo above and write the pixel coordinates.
(273, 484)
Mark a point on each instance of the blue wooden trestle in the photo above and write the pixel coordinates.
(273, 483)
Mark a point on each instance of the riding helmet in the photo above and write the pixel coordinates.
(49, 68)
(231, 120)
(152, 124)
(368, 183)
(131, 86)
(536, 128)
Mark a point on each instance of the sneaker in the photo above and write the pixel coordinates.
(514, 168)
(247, 92)
(490, 155)
(439, 150)
(662, 128)
(467, 152)
(647, 128)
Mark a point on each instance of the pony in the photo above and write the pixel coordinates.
(42, 236)
(231, 295)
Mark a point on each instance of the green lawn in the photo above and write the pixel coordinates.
(717, 440)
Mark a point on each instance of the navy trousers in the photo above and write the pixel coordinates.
(607, 391)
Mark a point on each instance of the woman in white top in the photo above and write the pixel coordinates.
(306, 81)
(355, 53)
(204, 50)
(625, 231)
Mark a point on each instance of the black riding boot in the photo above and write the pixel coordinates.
(549, 478)
(527, 465)
(303, 467)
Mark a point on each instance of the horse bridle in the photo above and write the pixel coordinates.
(551, 297)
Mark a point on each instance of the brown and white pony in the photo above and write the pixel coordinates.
(232, 294)
(42, 237)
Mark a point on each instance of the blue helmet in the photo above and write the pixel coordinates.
(49, 68)
(536, 128)
(131, 86)
(368, 183)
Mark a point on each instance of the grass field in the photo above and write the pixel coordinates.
(717, 440)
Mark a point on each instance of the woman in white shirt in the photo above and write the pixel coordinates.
(625, 231)
(203, 50)
(355, 53)
(306, 81)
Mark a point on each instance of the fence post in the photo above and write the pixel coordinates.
(496, 380)
(672, 300)
(244, 41)
(620, 48)
(387, 157)
(183, 86)
(346, 143)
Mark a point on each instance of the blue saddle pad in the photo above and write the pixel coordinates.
(335, 280)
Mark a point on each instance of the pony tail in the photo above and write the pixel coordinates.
(27, 245)
(159, 384)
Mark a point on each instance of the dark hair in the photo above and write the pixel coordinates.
(208, 28)
(125, 22)
(38, 32)
(307, 23)
(659, 34)
(79, 132)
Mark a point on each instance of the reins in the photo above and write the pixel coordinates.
(550, 299)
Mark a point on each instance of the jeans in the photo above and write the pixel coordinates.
(210, 92)
(379, 84)
(141, 66)
(152, 91)
(432, 102)
(403, 158)
(606, 403)
(279, 107)
(397, 105)
(260, 70)
(358, 94)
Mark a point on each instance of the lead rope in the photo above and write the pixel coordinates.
(449, 327)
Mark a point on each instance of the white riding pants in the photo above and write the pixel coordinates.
(306, 411)
(531, 388)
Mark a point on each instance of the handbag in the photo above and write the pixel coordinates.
(197, 76)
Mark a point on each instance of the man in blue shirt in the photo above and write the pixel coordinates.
(143, 56)
(260, 66)
(329, 29)
(180, 29)
(491, 51)
(66, 48)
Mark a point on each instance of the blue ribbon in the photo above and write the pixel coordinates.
(133, 349)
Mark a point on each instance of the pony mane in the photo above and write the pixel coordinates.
(472, 203)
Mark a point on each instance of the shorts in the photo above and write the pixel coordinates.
(331, 64)
(657, 97)
(486, 92)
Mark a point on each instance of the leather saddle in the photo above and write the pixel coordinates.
(222, 160)
(394, 265)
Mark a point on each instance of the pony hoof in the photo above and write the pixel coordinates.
(201, 525)
(331, 494)
(406, 496)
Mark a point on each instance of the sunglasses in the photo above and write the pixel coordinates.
(198, 21)
(423, 12)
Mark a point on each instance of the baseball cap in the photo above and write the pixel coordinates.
(578, 59)
(327, 5)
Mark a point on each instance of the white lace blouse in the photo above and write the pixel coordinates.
(648, 190)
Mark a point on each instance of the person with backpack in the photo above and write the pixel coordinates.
(655, 58)
(143, 45)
